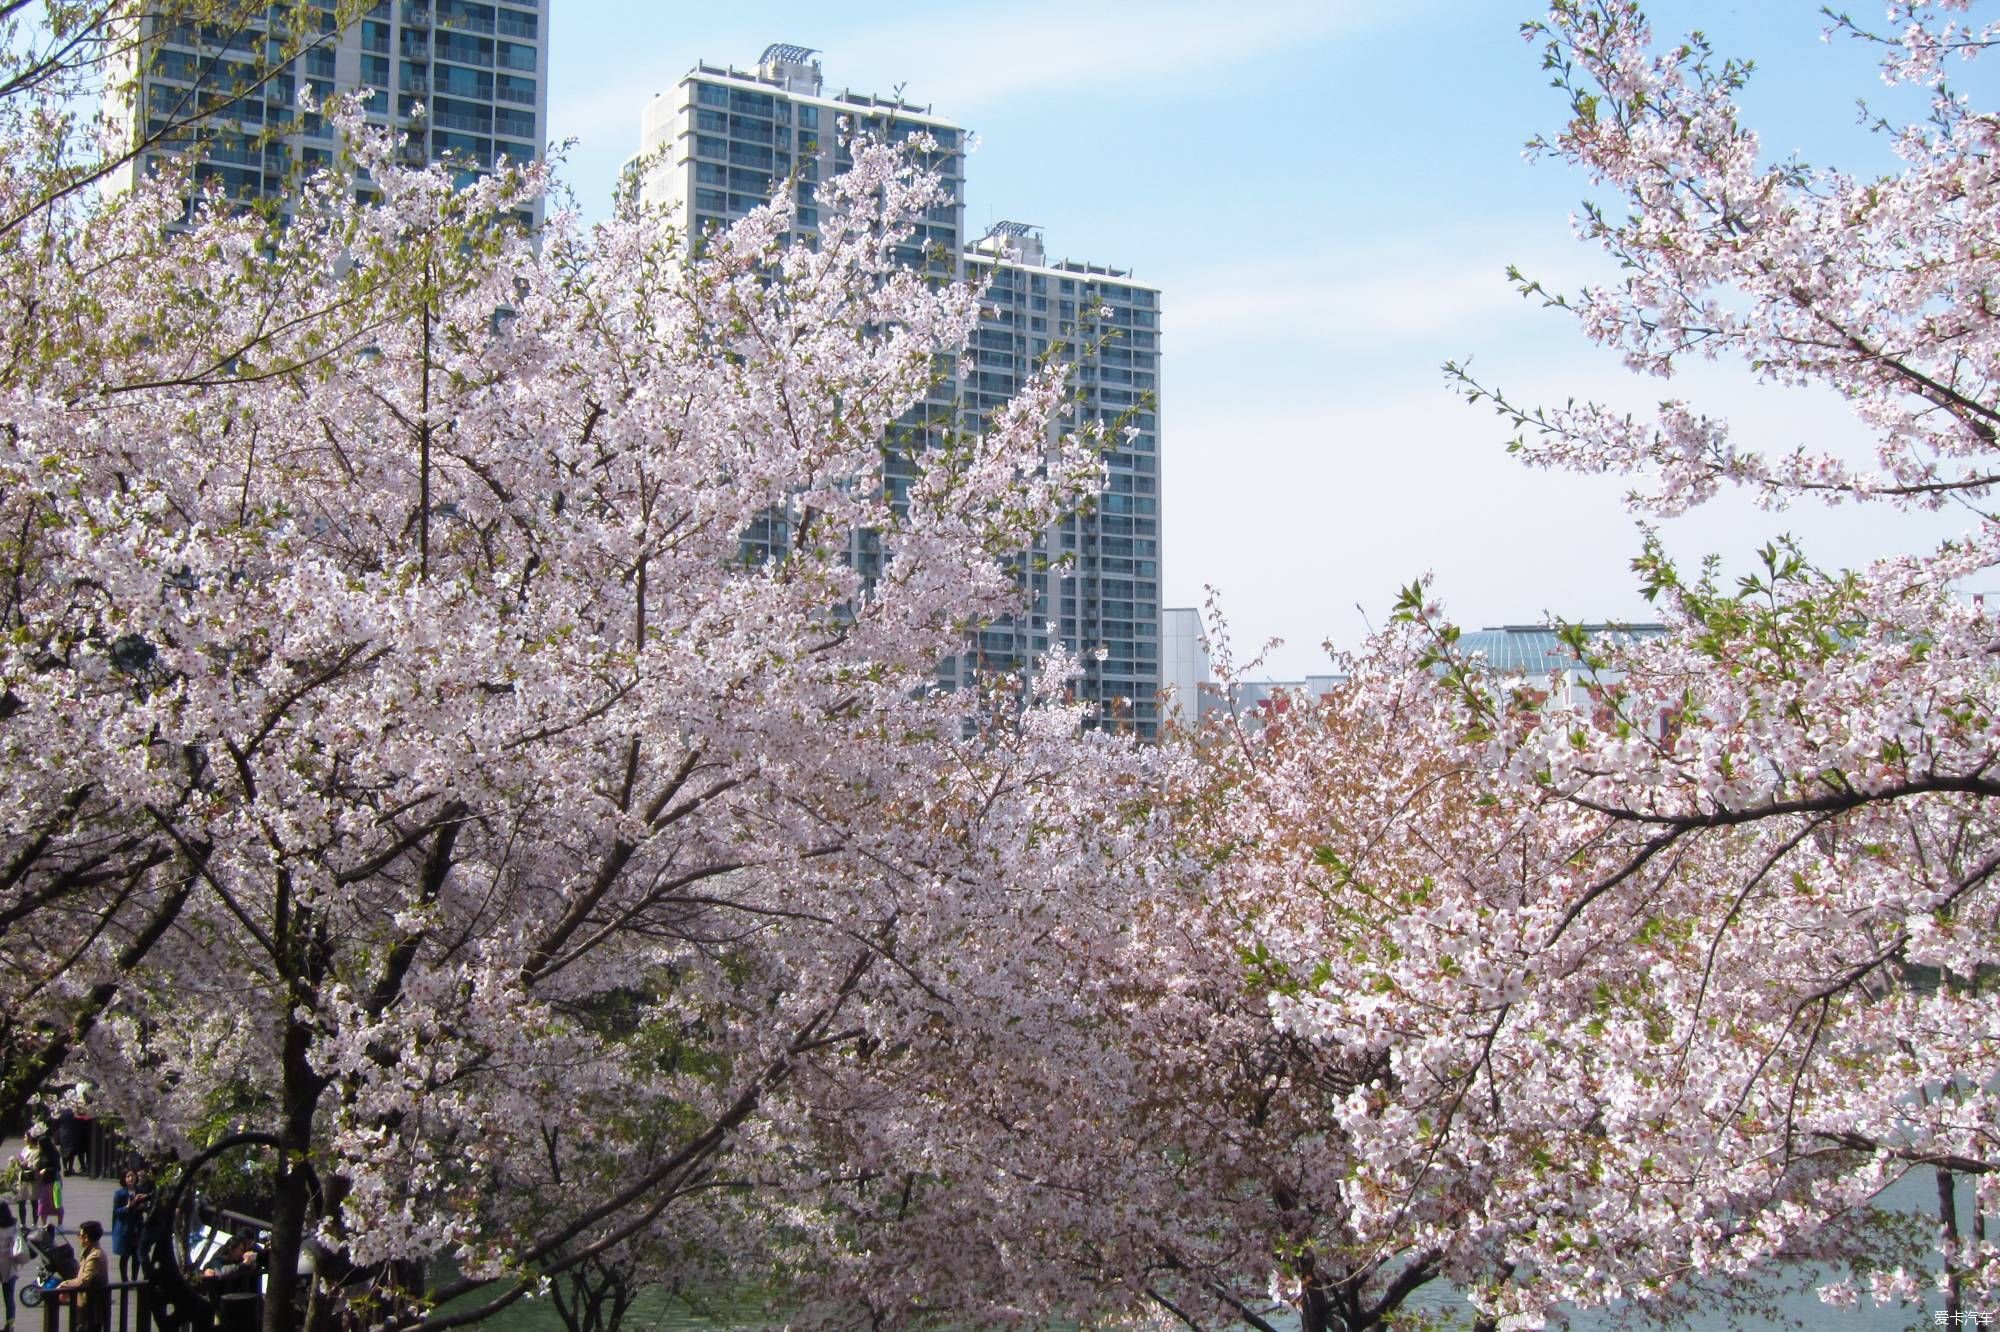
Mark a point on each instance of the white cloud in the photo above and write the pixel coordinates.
(966, 59)
(993, 53)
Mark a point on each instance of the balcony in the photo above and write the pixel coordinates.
(464, 52)
(234, 156)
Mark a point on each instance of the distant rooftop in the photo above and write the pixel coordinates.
(1534, 649)
(790, 68)
(1021, 240)
(1024, 241)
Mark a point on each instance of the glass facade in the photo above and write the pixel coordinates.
(430, 70)
(1095, 579)
(729, 141)
(742, 144)
(723, 140)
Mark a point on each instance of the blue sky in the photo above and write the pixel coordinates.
(1329, 194)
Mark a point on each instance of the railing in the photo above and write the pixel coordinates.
(231, 156)
(134, 1306)
(130, 1310)
(463, 53)
(469, 22)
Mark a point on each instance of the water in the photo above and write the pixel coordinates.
(1915, 1193)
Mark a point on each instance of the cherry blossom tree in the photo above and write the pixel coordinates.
(1131, 1135)
(1638, 982)
(1675, 961)
(64, 64)
(410, 769)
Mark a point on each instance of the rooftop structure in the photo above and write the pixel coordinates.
(1536, 649)
(1531, 653)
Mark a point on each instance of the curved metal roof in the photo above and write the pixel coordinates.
(787, 53)
(1535, 649)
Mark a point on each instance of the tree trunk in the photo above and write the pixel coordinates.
(1315, 1311)
(292, 1207)
(1948, 1215)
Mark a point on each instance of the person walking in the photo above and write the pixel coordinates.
(46, 1176)
(90, 1288)
(10, 1237)
(79, 1148)
(69, 1139)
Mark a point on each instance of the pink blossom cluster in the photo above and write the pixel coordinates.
(405, 762)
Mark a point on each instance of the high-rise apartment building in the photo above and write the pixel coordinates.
(1095, 577)
(723, 140)
(718, 143)
(465, 80)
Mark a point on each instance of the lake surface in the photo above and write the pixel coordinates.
(1916, 1192)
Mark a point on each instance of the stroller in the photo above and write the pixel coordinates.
(55, 1259)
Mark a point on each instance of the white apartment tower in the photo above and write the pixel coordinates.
(465, 80)
(1095, 577)
(717, 145)
(721, 140)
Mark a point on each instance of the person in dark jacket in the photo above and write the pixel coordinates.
(240, 1271)
(128, 1218)
(73, 1140)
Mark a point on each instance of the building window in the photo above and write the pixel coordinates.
(513, 24)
